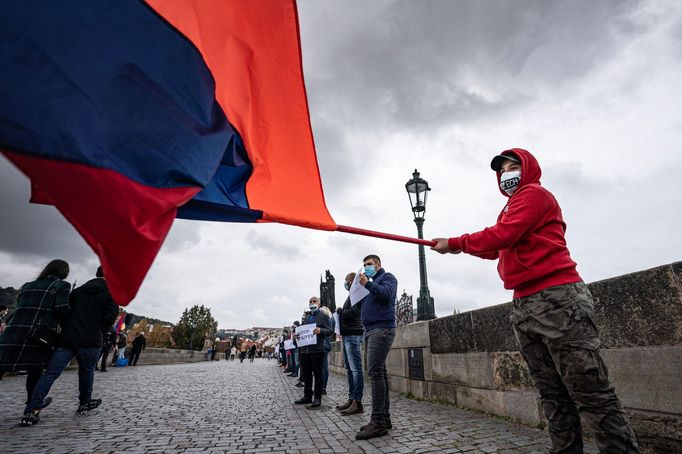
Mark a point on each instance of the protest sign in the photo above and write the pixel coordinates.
(305, 335)
(357, 291)
(289, 344)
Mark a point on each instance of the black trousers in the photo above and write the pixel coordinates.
(311, 366)
(105, 356)
(134, 356)
(32, 377)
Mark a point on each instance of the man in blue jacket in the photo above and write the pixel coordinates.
(378, 318)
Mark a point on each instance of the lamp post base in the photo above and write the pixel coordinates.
(425, 308)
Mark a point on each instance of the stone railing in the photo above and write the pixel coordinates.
(151, 356)
(471, 360)
(156, 356)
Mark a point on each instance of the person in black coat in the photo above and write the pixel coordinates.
(109, 341)
(139, 344)
(92, 311)
(312, 356)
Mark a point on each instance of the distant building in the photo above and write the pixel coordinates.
(255, 333)
(158, 336)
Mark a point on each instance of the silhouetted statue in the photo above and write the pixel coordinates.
(327, 295)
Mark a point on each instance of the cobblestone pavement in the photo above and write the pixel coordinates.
(238, 408)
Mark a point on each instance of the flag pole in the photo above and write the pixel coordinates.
(386, 236)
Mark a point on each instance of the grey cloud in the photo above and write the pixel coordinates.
(338, 171)
(424, 64)
(573, 179)
(184, 234)
(263, 243)
(34, 230)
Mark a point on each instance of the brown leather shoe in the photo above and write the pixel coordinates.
(371, 430)
(344, 405)
(388, 425)
(353, 409)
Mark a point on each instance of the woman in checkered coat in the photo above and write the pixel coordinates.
(41, 302)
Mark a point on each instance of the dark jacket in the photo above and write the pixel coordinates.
(93, 311)
(329, 339)
(139, 343)
(43, 301)
(325, 324)
(350, 320)
(109, 339)
(378, 308)
(122, 340)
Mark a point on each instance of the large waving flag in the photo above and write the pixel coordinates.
(126, 114)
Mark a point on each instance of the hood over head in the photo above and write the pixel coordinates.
(325, 310)
(530, 169)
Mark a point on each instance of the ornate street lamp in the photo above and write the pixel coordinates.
(417, 190)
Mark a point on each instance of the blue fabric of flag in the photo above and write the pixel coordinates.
(122, 90)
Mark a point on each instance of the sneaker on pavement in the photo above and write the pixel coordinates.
(86, 407)
(30, 419)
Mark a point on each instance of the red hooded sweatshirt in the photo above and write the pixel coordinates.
(528, 238)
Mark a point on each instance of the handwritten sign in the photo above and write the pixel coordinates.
(289, 344)
(306, 335)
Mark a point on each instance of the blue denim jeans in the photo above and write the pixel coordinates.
(325, 369)
(295, 362)
(377, 346)
(352, 356)
(87, 360)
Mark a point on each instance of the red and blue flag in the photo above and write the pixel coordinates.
(128, 114)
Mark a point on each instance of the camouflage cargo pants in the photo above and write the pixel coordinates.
(557, 337)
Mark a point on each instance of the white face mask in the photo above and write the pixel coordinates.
(509, 181)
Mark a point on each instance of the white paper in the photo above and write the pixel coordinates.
(357, 291)
(306, 335)
(337, 324)
(289, 344)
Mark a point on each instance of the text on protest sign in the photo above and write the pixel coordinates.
(305, 335)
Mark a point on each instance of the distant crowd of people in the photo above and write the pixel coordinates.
(54, 323)
(241, 351)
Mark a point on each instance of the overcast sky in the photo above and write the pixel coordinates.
(593, 89)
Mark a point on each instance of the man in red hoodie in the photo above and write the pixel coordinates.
(552, 309)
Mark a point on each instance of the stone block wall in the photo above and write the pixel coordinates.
(471, 359)
(151, 356)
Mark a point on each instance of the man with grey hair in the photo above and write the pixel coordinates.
(312, 356)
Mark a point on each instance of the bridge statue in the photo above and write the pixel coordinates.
(327, 295)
